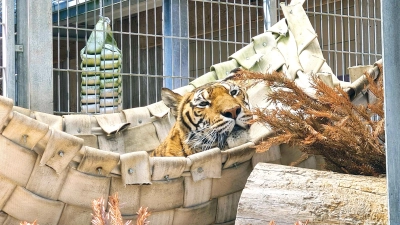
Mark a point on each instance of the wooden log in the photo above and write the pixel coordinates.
(288, 194)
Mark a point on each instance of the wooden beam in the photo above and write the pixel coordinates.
(287, 194)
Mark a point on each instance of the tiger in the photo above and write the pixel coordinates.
(205, 118)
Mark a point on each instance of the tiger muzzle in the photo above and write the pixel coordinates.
(232, 112)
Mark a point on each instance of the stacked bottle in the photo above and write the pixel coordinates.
(101, 86)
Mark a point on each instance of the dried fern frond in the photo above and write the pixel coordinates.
(142, 216)
(26, 223)
(99, 215)
(326, 123)
(114, 212)
(112, 217)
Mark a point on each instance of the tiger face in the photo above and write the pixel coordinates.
(205, 118)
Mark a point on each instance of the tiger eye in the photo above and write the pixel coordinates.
(234, 92)
(204, 104)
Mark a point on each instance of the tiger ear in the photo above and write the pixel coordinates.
(171, 99)
(237, 72)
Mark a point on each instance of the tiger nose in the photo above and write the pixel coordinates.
(232, 112)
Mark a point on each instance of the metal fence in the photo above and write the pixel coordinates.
(171, 42)
(349, 32)
(164, 43)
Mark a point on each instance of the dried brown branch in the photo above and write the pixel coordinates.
(301, 159)
(326, 123)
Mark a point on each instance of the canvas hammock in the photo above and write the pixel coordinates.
(52, 167)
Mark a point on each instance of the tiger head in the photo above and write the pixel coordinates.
(205, 118)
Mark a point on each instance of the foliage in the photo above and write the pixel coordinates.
(325, 123)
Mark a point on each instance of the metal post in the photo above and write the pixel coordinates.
(35, 67)
(270, 13)
(391, 54)
(176, 44)
(8, 49)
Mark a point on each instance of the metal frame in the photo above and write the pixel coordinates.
(176, 43)
(391, 54)
(8, 47)
(35, 80)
